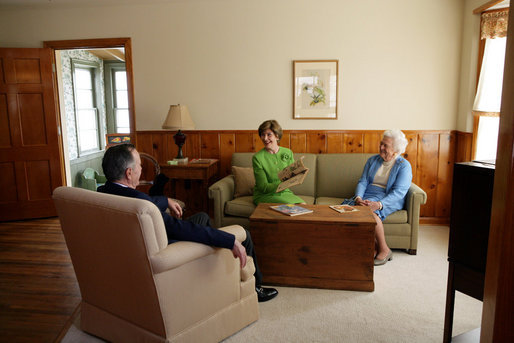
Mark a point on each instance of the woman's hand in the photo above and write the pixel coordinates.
(374, 205)
(360, 202)
(175, 208)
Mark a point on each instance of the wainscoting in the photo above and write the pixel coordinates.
(430, 152)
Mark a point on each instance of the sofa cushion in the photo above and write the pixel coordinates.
(338, 174)
(308, 199)
(244, 206)
(244, 181)
(240, 207)
(242, 159)
(308, 187)
(398, 217)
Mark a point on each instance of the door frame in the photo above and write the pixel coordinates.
(98, 43)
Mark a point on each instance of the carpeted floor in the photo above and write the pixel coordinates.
(407, 305)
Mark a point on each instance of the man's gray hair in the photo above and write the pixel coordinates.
(399, 140)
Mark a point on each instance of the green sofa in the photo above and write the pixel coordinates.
(331, 178)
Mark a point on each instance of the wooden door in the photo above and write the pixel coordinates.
(30, 158)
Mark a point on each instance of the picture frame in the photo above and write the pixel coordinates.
(315, 89)
(116, 138)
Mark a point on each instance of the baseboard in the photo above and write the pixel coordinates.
(434, 220)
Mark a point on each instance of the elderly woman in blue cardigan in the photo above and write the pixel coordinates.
(384, 183)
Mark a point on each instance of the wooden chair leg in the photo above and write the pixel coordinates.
(450, 304)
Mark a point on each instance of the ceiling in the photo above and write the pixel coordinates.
(504, 3)
(115, 54)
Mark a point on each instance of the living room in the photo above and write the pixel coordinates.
(402, 64)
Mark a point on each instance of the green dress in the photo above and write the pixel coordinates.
(265, 168)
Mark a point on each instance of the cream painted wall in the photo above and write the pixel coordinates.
(468, 73)
(230, 61)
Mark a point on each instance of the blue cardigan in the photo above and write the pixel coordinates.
(397, 187)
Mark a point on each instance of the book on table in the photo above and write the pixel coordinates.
(292, 175)
(343, 208)
(200, 161)
(290, 209)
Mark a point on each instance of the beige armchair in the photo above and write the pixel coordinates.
(136, 287)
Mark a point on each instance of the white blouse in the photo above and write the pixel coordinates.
(383, 172)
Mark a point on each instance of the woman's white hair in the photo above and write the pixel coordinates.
(399, 140)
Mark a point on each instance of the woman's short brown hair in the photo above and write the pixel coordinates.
(272, 125)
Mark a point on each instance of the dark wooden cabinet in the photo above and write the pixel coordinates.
(190, 183)
(472, 194)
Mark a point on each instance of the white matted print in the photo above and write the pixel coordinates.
(315, 89)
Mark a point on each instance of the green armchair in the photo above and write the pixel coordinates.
(90, 179)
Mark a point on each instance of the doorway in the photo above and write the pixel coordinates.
(96, 99)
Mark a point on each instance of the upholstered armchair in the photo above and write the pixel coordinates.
(136, 287)
(91, 179)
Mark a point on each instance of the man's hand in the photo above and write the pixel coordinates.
(360, 202)
(175, 208)
(239, 251)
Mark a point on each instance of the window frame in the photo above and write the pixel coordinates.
(94, 69)
(111, 67)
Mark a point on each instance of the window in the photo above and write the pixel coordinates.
(116, 97)
(86, 111)
(121, 112)
(486, 107)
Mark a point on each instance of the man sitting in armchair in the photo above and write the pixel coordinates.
(122, 167)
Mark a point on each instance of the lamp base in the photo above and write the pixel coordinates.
(181, 160)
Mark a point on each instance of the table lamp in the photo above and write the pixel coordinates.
(179, 119)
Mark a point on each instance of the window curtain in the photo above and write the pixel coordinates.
(493, 29)
(494, 24)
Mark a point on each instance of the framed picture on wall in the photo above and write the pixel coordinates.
(117, 138)
(315, 87)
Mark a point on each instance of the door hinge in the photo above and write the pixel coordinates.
(53, 67)
(58, 130)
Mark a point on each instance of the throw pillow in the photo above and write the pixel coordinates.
(245, 181)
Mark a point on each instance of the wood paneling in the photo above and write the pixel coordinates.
(463, 146)
(353, 142)
(431, 153)
(334, 142)
(445, 174)
(427, 167)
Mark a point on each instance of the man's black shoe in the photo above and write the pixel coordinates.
(265, 294)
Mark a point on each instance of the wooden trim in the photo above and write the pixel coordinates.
(499, 277)
(485, 6)
(444, 221)
(126, 43)
(476, 122)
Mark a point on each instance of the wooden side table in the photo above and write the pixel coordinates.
(190, 183)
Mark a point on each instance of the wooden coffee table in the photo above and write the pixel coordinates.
(323, 249)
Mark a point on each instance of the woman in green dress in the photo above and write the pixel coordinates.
(266, 165)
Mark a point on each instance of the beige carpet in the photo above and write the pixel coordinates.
(407, 305)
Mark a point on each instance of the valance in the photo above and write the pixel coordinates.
(494, 24)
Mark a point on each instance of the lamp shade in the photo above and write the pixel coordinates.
(178, 118)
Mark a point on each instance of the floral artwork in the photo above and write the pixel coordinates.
(315, 89)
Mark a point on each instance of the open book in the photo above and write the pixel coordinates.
(343, 208)
(293, 174)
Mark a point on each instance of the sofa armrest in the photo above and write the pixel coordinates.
(221, 192)
(180, 253)
(415, 198)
